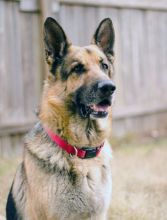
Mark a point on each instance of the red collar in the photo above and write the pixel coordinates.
(83, 153)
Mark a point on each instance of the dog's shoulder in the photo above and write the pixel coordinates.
(35, 131)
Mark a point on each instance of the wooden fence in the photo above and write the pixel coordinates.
(21, 72)
(141, 53)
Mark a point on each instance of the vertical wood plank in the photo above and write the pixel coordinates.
(31, 67)
(3, 94)
(12, 79)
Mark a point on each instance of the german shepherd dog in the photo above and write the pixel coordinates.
(66, 170)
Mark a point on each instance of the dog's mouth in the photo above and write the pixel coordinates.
(100, 110)
(94, 101)
(96, 110)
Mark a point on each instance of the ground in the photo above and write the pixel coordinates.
(139, 180)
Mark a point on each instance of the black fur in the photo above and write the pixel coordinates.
(11, 211)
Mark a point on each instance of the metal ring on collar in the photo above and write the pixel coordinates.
(76, 152)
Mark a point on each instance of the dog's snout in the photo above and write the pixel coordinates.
(106, 87)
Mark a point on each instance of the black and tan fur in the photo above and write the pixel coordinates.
(50, 184)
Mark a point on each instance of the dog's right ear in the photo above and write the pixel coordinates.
(104, 37)
(56, 43)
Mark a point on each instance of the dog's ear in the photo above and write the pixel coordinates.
(104, 36)
(55, 40)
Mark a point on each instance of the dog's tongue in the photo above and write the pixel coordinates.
(99, 108)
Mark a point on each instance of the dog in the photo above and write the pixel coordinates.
(66, 168)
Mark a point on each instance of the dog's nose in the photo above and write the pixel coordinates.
(106, 87)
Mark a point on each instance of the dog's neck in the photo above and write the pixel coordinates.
(77, 131)
(84, 153)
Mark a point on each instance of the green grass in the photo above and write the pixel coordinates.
(139, 180)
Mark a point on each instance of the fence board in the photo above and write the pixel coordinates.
(141, 4)
(16, 128)
(13, 63)
(11, 145)
(3, 94)
(29, 5)
(31, 66)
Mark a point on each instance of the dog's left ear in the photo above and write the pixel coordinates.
(104, 37)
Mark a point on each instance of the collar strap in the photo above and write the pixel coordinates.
(83, 153)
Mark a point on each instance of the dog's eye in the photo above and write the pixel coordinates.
(104, 66)
(79, 68)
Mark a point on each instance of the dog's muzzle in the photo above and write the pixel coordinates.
(95, 100)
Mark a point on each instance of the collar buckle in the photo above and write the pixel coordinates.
(90, 152)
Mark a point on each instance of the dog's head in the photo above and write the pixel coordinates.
(81, 76)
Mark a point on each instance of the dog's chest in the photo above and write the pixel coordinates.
(80, 192)
(85, 194)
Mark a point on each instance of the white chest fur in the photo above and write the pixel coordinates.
(90, 195)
